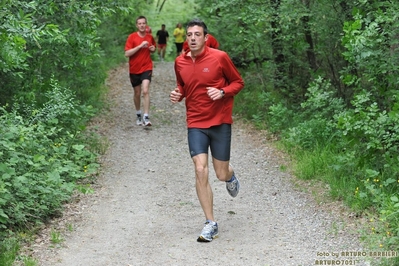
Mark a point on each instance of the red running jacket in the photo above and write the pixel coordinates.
(212, 68)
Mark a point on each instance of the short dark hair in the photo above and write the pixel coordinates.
(163, 25)
(197, 22)
(141, 17)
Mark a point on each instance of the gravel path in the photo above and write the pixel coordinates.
(145, 211)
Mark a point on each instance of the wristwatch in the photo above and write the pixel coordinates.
(222, 93)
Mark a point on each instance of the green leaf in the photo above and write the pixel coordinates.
(38, 157)
(389, 181)
(394, 199)
(2, 214)
(78, 147)
(3, 218)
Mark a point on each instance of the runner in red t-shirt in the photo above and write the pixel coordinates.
(139, 46)
(208, 80)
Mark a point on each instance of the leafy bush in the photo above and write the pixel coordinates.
(373, 129)
(312, 133)
(41, 159)
(50, 57)
(279, 117)
(316, 127)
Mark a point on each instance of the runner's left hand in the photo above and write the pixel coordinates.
(214, 93)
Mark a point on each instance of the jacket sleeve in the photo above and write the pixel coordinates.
(233, 77)
(179, 81)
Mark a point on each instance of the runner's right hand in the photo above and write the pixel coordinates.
(175, 95)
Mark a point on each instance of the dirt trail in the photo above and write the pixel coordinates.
(145, 211)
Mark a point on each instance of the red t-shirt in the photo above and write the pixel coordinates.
(211, 42)
(212, 68)
(141, 60)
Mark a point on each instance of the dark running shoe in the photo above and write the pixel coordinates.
(233, 186)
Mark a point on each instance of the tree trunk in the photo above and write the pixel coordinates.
(160, 8)
(277, 45)
(309, 39)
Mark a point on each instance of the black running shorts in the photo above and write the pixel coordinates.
(137, 79)
(217, 138)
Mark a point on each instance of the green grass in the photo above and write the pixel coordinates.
(8, 251)
(55, 237)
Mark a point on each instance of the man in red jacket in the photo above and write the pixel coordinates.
(139, 46)
(208, 80)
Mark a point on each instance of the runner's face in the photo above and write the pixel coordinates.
(196, 39)
(140, 24)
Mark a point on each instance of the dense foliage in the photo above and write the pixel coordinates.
(52, 71)
(41, 160)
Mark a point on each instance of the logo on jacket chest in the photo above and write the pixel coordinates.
(205, 70)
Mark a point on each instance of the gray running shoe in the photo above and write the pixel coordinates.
(146, 121)
(209, 232)
(233, 186)
(139, 121)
